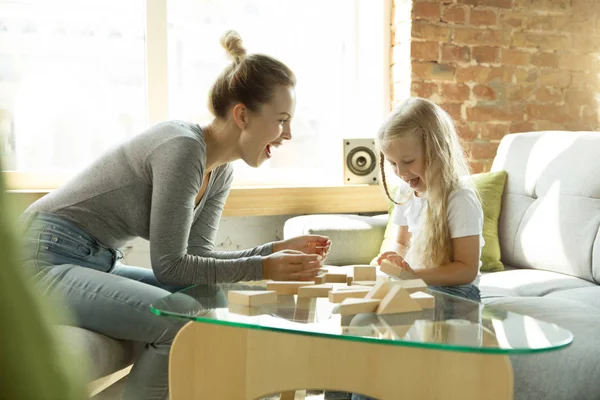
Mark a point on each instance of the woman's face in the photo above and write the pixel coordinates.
(266, 129)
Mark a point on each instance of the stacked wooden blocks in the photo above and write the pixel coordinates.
(388, 298)
(287, 287)
(358, 295)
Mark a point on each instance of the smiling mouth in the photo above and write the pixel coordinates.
(414, 182)
(270, 148)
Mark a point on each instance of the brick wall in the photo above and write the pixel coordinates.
(501, 66)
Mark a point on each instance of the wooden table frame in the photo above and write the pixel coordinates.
(213, 361)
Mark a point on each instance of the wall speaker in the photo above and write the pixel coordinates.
(360, 162)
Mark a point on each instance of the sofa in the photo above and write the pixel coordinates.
(549, 237)
(107, 360)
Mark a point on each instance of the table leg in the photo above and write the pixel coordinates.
(293, 395)
(210, 361)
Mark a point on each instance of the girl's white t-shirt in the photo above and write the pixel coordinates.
(465, 217)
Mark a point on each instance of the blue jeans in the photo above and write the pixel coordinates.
(102, 295)
(469, 292)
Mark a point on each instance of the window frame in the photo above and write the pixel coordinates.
(157, 90)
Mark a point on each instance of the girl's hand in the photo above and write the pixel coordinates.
(384, 256)
(308, 244)
(291, 265)
(401, 262)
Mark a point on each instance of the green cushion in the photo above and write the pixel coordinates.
(490, 186)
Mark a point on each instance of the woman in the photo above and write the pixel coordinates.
(168, 185)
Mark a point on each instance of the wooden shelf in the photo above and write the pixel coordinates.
(265, 201)
(244, 201)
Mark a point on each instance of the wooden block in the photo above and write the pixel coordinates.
(388, 267)
(306, 303)
(251, 311)
(287, 287)
(397, 300)
(337, 296)
(352, 306)
(365, 273)
(400, 330)
(379, 290)
(354, 287)
(315, 290)
(349, 280)
(364, 283)
(320, 279)
(338, 278)
(425, 300)
(411, 285)
(392, 269)
(305, 309)
(252, 298)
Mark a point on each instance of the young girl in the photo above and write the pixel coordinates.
(168, 185)
(438, 214)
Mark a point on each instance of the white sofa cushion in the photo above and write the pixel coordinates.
(550, 214)
(355, 239)
(585, 295)
(528, 283)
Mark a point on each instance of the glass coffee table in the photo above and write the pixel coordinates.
(458, 349)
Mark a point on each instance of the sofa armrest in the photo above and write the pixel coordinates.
(355, 239)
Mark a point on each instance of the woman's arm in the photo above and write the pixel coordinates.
(176, 179)
(204, 228)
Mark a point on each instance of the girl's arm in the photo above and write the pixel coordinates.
(402, 240)
(399, 246)
(461, 271)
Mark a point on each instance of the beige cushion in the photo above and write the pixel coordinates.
(355, 239)
(103, 355)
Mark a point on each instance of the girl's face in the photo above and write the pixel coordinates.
(406, 154)
(266, 129)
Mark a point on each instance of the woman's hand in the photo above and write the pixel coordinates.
(308, 244)
(291, 265)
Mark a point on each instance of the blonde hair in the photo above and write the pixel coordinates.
(249, 79)
(445, 165)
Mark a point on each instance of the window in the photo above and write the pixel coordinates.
(79, 84)
(71, 80)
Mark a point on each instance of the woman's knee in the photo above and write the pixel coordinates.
(182, 304)
(169, 329)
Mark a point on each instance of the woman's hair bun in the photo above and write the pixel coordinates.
(232, 42)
